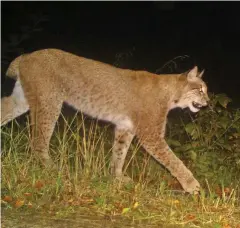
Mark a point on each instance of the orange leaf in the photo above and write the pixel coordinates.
(227, 226)
(86, 200)
(39, 184)
(27, 194)
(29, 204)
(19, 203)
(190, 217)
(70, 200)
(7, 199)
(227, 190)
(218, 191)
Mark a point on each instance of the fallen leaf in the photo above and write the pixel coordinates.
(29, 205)
(176, 202)
(7, 199)
(218, 191)
(19, 203)
(86, 200)
(27, 194)
(171, 201)
(125, 210)
(135, 205)
(190, 217)
(227, 190)
(227, 226)
(39, 184)
(70, 200)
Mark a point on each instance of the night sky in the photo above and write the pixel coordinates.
(154, 32)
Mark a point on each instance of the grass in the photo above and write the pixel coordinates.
(83, 192)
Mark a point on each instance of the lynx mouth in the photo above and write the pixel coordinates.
(196, 105)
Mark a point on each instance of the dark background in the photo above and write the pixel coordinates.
(149, 33)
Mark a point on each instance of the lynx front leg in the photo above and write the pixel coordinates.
(159, 149)
(122, 141)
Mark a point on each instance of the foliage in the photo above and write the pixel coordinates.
(210, 141)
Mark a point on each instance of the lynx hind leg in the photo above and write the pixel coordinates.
(122, 141)
(158, 148)
(43, 117)
(13, 106)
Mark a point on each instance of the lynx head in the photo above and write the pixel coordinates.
(194, 94)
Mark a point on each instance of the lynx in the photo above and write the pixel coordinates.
(136, 102)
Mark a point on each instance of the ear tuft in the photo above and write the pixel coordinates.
(192, 73)
(201, 74)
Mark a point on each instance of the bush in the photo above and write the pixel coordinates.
(209, 142)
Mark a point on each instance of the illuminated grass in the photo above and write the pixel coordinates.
(82, 187)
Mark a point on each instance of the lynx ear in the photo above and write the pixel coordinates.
(192, 73)
(201, 74)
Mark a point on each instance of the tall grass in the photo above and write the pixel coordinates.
(82, 184)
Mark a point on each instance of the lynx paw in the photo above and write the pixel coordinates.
(124, 179)
(191, 186)
(48, 163)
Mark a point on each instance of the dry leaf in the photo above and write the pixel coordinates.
(227, 226)
(29, 205)
(7, 199)
(86, 200)
(39, 184)
(19, 203)
(135, 205)
(70, 200)
(176, 202)
(190, 217)
(27, 194)
(227, 190)
(171, 201)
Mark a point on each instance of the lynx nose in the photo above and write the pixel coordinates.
(206, 101)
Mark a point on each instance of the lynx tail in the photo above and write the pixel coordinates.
(13, 69)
